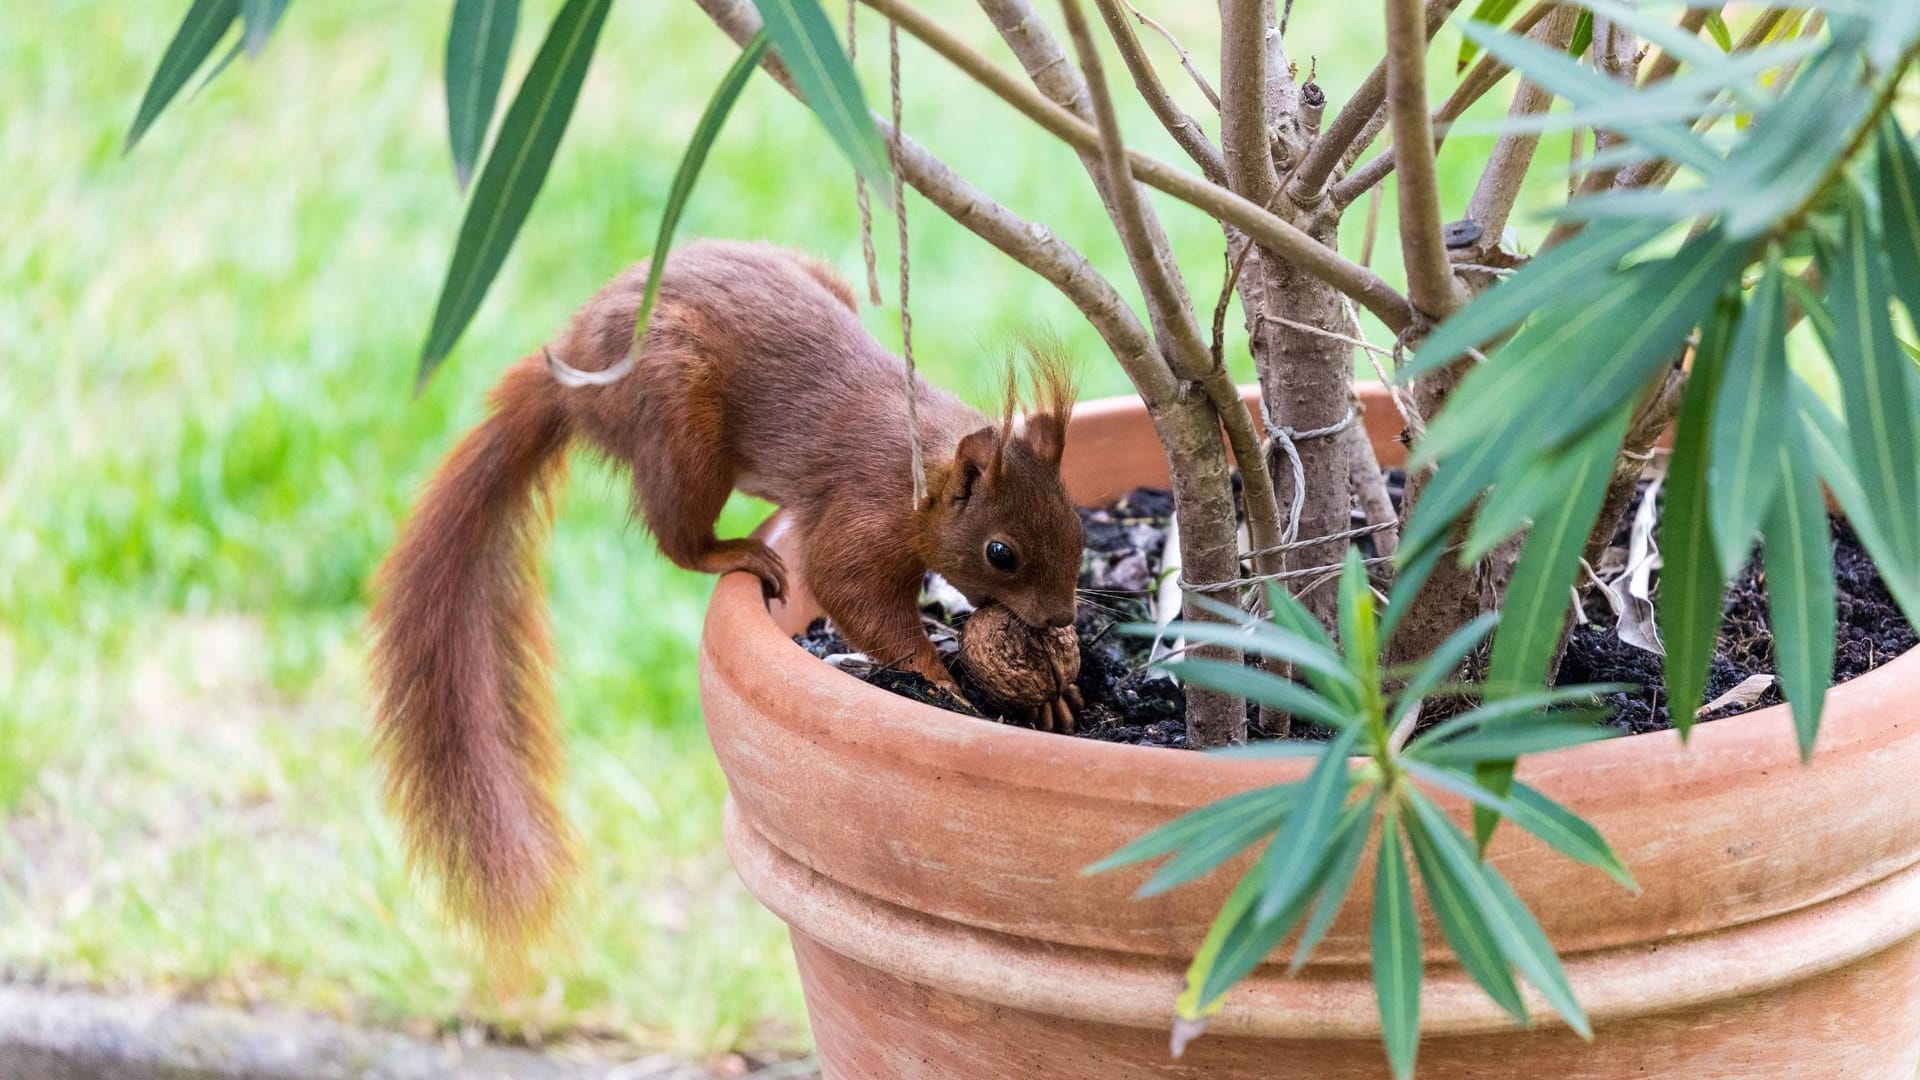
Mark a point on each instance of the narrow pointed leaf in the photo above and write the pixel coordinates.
(1800, 590)
(1900, 210)
(1224, 839)
(807, 43)
(1517, 499)
(1539, 592)
(1444, 661)
(1348, 844)
(1544, 280)
(1532, 953)
(206, 22)
(1692, 581)
(1259, 638)
(1455, 485)
(1519, 709)
(1194, 1003)
(1251, 939)
(1566, 77)
(1652, 26)
(1397, 968)
(514, 172)
(1301, 845)
(1558, 827)
(1718, 30)
(1825, 434)
(1292, 615)
(1266, 803)
(1560, 375)
(1875, 380)
(259, 17)
(1514, 930)
(705, 134)
(1555, 732)
(1262, 687)
(1748, 421)
(1461, 921)
(479, 39)
(1582, 35)
(1359, 640)
(1494, 12)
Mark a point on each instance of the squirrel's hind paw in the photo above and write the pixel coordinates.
(752, 556)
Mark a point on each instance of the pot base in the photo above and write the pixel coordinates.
(869, 1025)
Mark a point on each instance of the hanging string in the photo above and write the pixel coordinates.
(917, 464)
(900, 215)
(860, 184)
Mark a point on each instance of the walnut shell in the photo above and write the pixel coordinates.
(1013, 665)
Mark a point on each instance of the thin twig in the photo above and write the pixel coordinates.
(1185, 351)
(1186, 60)
(1184, 129)
(1054, 75)
(1479, 81)
(1354, 118)
(1373, 228)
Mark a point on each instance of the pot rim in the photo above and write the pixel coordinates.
(1762, 738)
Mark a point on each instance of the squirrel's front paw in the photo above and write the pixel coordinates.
(1057, 715)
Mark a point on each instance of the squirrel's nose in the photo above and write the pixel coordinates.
(1059, 619)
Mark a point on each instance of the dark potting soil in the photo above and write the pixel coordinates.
(1127, 701)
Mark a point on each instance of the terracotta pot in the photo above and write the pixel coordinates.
(929, 866)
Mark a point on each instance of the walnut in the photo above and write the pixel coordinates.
(1015, 666)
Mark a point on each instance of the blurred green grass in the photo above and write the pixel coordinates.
(207, 435)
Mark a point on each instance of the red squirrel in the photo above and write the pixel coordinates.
(755, 374)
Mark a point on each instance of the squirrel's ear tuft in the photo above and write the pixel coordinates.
(977, 455)
(1047, 435)
(1052, 374)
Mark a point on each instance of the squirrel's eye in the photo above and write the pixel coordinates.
(1000, 556)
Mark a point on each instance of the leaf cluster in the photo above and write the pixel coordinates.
(1812, 209)
(1371, 786)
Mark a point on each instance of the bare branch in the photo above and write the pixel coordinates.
(1370, 488)
(1355, 118)
(1665, 64)
(1270, 231)
(1616, 54)
(1186, 351)
(1055, 76)
(1373, 228)
(1430, 282)
(1186, 59)
(1512, 155)
(1184, 129)
(1027, 243)
(1243, 98)
(1483, 77)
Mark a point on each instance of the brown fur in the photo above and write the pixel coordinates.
(757, 375)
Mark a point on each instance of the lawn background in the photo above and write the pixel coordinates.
(208, 434)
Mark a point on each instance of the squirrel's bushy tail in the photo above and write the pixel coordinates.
(463, 708)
